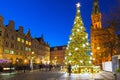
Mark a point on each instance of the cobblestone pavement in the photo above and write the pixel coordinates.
(55, 75)
(103, 75)
(32, 75)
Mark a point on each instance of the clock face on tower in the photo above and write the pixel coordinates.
(96, 19)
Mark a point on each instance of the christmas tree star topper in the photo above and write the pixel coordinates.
(78, 4)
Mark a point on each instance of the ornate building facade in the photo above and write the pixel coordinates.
(44, 51)
(57, 54)
(103, 40)
(19, 48)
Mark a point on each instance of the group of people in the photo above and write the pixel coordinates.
(48, 67)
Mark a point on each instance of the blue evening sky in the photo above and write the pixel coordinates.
(52, 18)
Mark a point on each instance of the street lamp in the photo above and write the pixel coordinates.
(17, 60)
(17, 65)
(25, 62)
(98, 48)
(93, 59)
(31, 60)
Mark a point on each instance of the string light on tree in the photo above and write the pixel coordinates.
(81, 27)
(90, 58)
(77, 17)
(81, 61)
(74, 22)
(83, 45)
(65, 57)
(90, 62)
(69, 54)
(76, 48)
(70, 38)
(78, 30)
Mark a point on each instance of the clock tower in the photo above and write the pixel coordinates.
(96, 31)
(96, 16)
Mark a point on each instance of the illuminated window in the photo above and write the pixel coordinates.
(6, 51)
(29, 43)
(11, 52)
(26, 48)
(26, 42)
(29, 49)
(18, 39)
(22, 40)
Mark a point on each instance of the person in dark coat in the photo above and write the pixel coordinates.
(69, 69)
(24, 68)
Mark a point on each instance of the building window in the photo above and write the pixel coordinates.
(0, 33)
(6, 51)
(26, 48)
(6, 44)
(22, 40)
(29, 43)
(55, 48)
(26, 42)
(29, 49)
(11, 52)
(18, 39)
(12, 45)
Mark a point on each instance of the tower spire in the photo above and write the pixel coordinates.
(96, 7)
(96, 16)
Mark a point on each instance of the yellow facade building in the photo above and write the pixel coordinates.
(19, 48)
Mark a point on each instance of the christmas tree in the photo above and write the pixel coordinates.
(78, 44)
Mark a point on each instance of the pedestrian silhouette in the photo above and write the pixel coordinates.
(69, 69)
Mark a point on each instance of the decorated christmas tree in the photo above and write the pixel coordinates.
(78, 45)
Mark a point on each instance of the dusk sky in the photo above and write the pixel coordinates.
(52, 18)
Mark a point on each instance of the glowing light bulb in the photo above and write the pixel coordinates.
(78, 30)
(76, 49)
(83, 45)
(69, 54)
(70, 38)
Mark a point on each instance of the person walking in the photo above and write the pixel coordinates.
(69, 69)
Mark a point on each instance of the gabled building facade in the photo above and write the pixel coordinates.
(16, 47)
